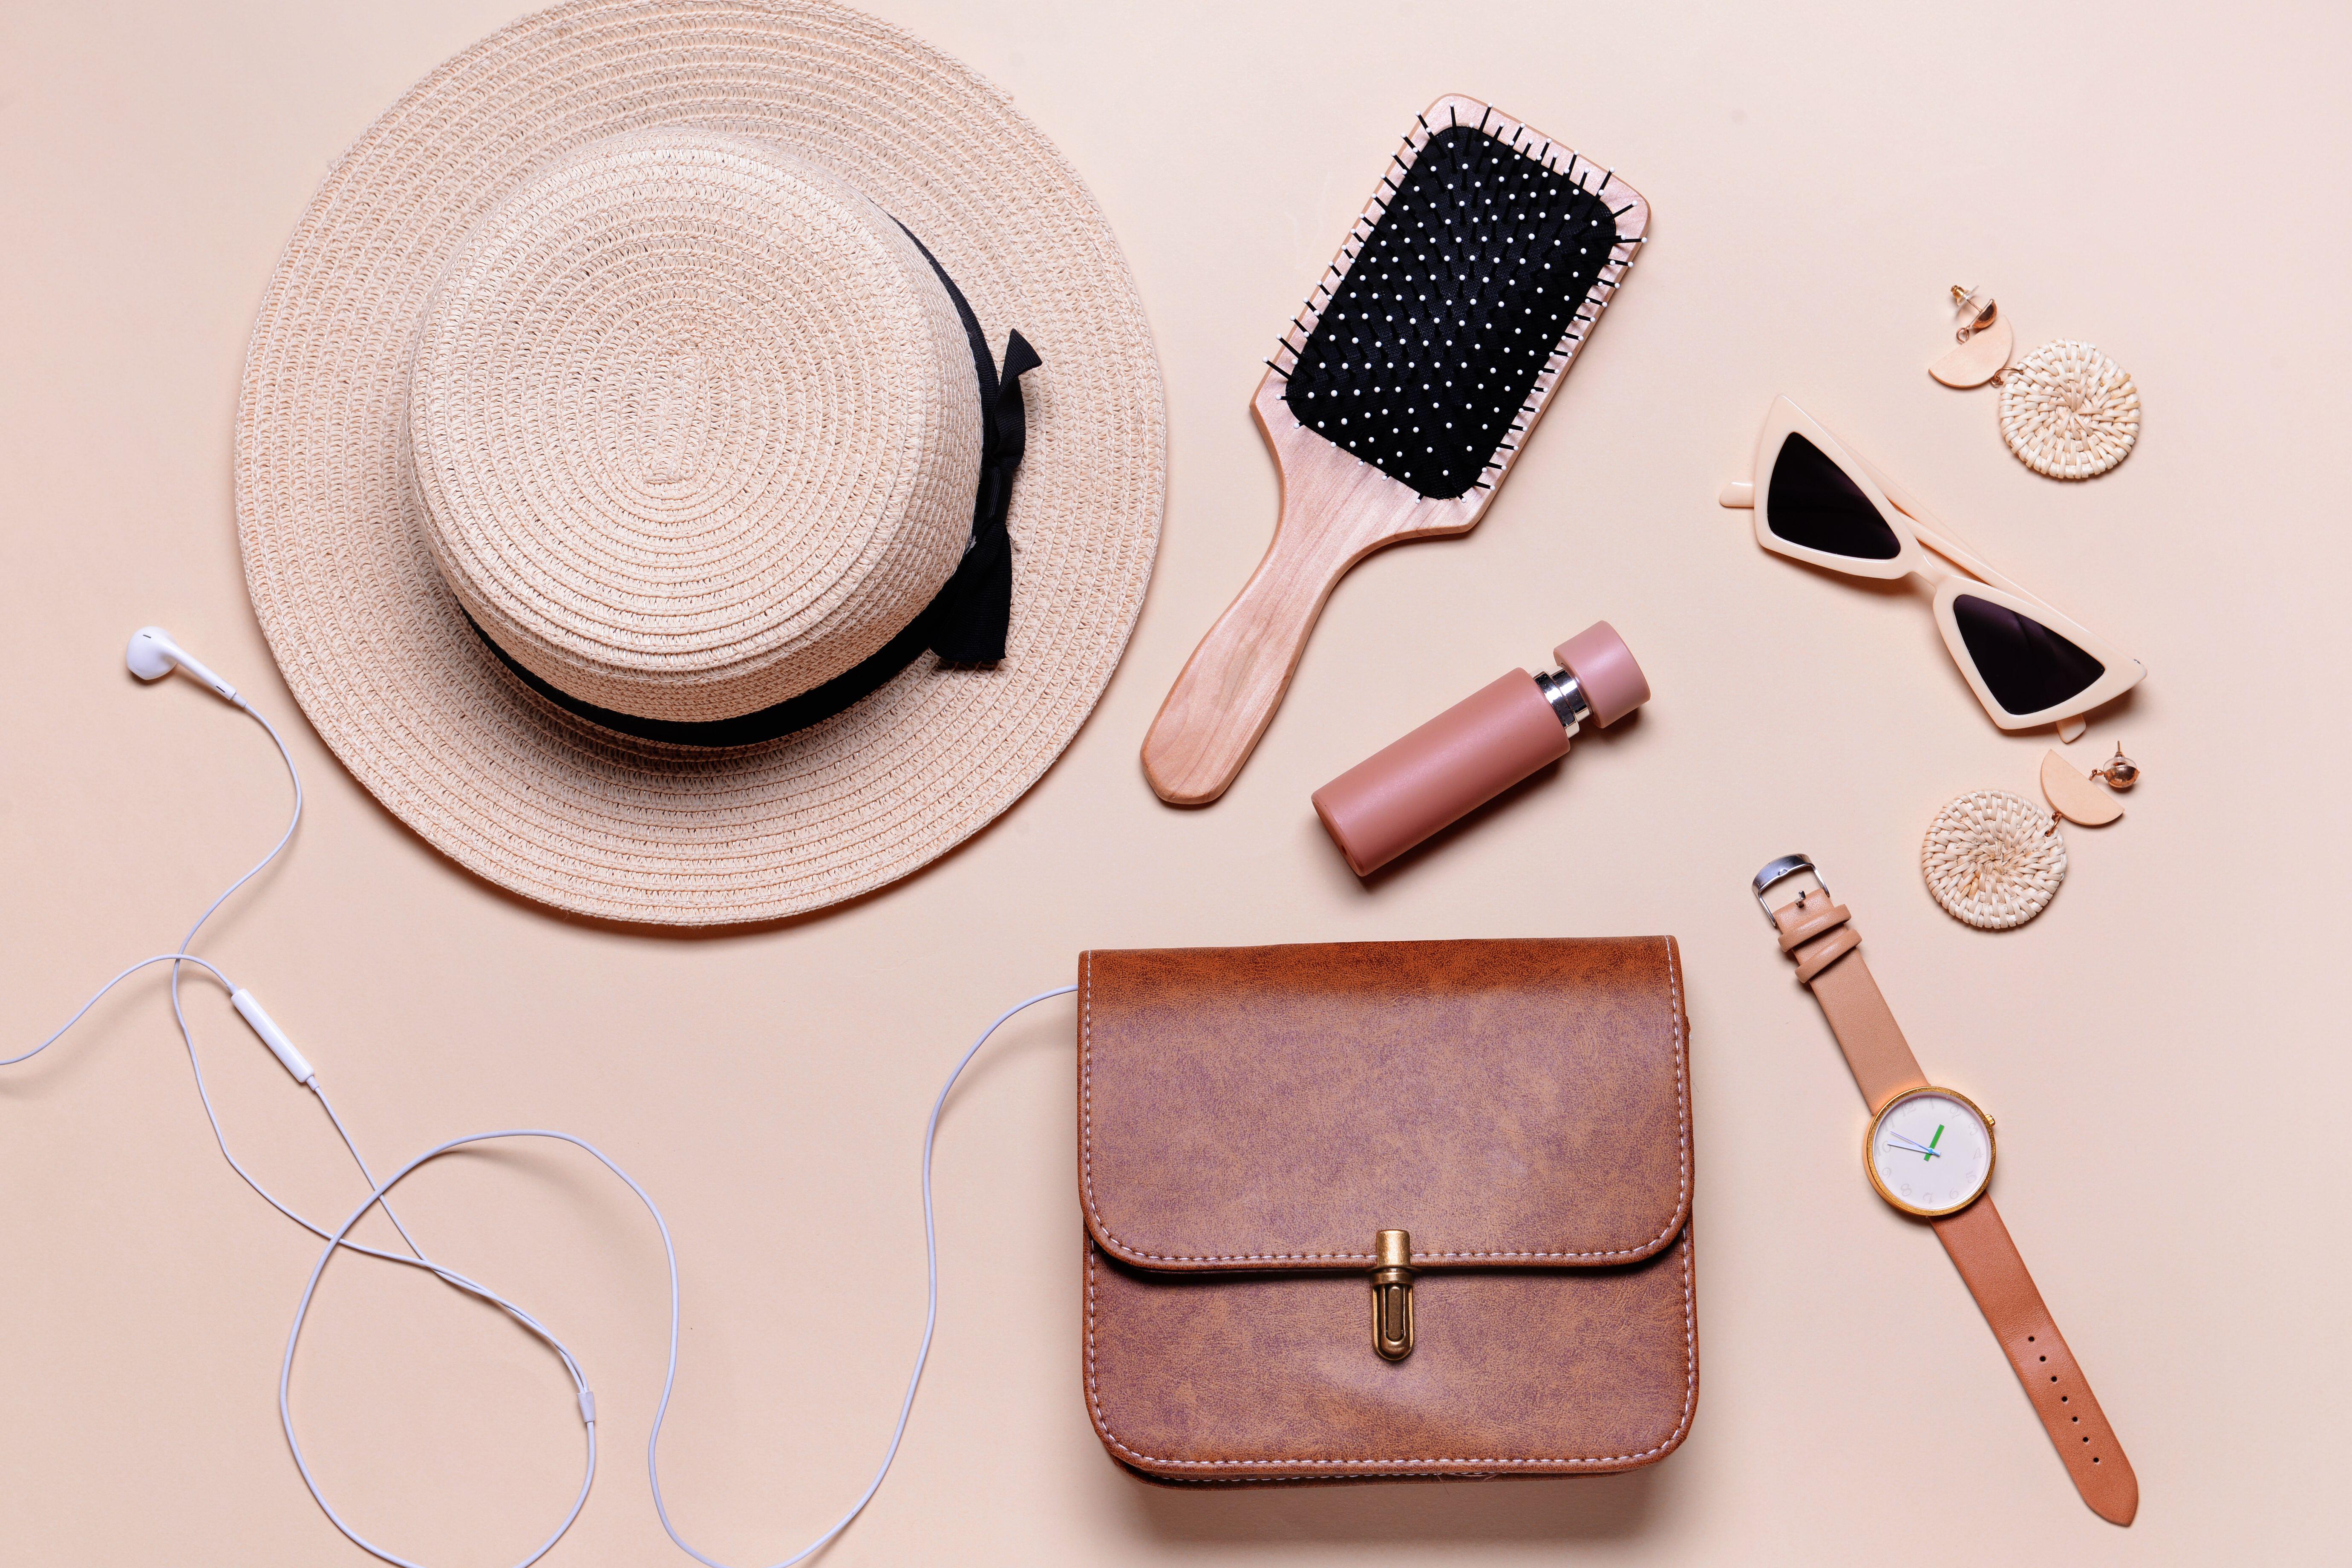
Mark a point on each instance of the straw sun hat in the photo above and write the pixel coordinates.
(624, 444)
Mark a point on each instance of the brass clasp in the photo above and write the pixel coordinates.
(1392, 1294)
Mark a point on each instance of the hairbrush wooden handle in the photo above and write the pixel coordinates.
(1335, 511)
(1427, 354)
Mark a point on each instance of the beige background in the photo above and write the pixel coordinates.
(2164, 1048)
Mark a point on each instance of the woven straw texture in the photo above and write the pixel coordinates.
(1993, 860)
(340, 546)
(695, 426)
(2069, 411)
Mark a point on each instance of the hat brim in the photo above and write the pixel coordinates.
(375, 645)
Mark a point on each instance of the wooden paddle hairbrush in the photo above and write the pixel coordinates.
(1402, 394)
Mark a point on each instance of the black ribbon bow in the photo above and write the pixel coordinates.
(966, 621)
(973, 612)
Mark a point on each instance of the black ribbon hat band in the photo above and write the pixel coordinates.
(966, 621)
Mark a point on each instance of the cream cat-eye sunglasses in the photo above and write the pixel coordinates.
(1816, 500)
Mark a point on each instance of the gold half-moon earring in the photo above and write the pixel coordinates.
(2074, 796)
(1985, 342)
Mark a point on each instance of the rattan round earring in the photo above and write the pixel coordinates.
(1992, 859)
(2066, 410)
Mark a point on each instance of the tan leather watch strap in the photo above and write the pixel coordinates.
(1815, 931)
(1987, 1258)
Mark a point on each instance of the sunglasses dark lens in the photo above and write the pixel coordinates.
(1812, 503)
(2025, 664)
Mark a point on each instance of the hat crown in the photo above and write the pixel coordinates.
(694, 424)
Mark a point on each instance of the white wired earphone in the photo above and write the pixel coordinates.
(153, 655)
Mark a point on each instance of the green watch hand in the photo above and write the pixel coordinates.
(1938, 1138)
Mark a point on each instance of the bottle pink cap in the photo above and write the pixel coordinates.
(1604, 670)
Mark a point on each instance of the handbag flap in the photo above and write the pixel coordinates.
(1522, 1103)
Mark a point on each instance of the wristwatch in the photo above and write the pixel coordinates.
(1930, 1154)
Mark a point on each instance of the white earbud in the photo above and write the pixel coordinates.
(153, 654)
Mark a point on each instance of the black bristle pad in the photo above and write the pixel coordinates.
(1424, 357)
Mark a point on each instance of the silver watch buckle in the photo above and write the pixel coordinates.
(1781, 870)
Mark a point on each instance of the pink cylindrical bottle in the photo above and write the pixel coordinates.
(1477, 748)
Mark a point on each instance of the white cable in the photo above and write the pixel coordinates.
(670, 1374)
(930, 1313)
(195, 1065)
(177, 959)
(340, 1237)
(173, 959)
(578, 1379)
(179, 1014)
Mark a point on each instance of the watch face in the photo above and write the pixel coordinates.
(1930, 1151)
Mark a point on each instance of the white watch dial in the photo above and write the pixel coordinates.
(1930, 1151)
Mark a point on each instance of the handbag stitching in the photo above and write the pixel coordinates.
(1136, 1255)
(1690, 1397)
(1690, 1315)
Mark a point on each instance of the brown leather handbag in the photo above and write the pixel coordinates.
(1371, 1209)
